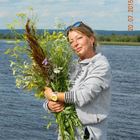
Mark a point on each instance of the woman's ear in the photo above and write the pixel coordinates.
(92, 40)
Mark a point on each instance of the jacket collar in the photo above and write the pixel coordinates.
(92, 59)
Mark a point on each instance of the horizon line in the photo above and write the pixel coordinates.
(63, 29)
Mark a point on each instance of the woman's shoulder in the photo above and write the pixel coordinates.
(100, 58)
(100, 62)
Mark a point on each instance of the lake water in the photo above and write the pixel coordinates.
(22, 116)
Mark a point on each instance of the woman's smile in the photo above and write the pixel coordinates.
(78, 49)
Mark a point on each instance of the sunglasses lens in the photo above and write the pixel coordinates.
(76, 24)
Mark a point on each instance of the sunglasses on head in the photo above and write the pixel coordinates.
(76, 24)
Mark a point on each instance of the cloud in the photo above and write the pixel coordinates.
(138, 2)
(4, 14)
(4, 1)
(100, 13)
(45, 13)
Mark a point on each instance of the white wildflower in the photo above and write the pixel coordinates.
(57, 70)
(12, 63)
(26, 65)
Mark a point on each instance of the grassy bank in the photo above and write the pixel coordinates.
(101, 42)
(120, 43)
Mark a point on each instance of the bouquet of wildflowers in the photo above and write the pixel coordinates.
(44, 60)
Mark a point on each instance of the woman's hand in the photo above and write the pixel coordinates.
(48, 93)
(55, 106)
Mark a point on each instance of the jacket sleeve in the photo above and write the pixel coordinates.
(45, 105)
(97, 80)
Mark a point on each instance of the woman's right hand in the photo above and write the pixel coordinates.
(55, 106)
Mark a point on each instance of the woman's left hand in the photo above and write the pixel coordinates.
(55, 106)
(48, 93)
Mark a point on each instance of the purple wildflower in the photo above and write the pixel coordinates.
(45, 62)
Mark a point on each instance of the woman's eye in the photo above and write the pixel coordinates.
(71, 42)
(80, 37)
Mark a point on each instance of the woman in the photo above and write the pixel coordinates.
(91, 80)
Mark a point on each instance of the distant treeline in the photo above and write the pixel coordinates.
(103, 38)
(6, 36)
(119, 38)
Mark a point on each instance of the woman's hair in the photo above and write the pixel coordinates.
(83, 28)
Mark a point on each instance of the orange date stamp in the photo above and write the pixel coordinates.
(130, 15)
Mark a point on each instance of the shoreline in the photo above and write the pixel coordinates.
(119, 43)
(100, 42)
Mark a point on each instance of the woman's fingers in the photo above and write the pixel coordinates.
(55, 106)
(48, 92)
(58, 109)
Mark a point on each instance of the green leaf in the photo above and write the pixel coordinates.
(49, 124)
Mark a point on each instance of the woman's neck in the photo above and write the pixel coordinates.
(90, 55)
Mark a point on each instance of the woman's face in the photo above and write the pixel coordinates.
(81, 44)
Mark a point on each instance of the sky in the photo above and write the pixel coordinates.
(99, 14)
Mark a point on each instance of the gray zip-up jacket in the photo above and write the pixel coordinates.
(90, 92)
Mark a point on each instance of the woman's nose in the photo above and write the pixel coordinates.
(75, 44)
